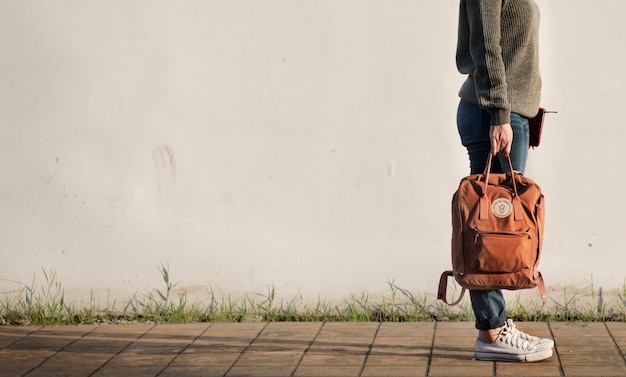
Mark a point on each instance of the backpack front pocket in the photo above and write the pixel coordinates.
(501, 252)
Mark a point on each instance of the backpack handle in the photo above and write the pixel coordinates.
(484, 205)
(488, 171)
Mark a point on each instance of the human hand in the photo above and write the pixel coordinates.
(501, 137)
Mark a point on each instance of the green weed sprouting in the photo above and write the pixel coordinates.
(44, 303)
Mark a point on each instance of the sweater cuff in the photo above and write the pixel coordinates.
(500, 116)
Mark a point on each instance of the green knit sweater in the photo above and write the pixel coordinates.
(498, 50)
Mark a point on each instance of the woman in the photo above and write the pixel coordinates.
(497, 50)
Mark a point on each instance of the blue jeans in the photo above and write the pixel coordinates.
(473, 125)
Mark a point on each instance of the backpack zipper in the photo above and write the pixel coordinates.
(479, 233)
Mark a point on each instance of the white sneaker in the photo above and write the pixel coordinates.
(540, 342)
(510, 347)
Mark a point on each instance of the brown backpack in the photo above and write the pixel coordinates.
(497, 231)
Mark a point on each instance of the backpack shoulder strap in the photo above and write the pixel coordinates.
(542, 288)
(443, 288)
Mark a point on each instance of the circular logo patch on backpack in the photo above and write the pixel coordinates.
(502, 207)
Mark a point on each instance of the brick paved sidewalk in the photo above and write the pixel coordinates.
(298, 349)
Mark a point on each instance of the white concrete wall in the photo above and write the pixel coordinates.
(305, 145)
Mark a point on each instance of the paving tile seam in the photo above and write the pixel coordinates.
(246, 348)
(184, 348)
(56, 352)
(308, 347)
(432, 347)
(122, 350)
(556, 352)
(494, 369)
(23, 336)
(617, 347)
(369, 349)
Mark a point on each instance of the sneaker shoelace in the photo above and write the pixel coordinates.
(510, 338)
(530, 338)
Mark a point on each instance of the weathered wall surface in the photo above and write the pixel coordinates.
(305, 145)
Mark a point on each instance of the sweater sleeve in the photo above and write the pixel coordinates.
(484, 18)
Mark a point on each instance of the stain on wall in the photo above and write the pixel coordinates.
(165, 170)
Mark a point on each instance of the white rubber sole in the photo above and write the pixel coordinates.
(540, 354)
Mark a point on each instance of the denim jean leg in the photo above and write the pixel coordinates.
(488, 308)
(473, 125)
(519, 147)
